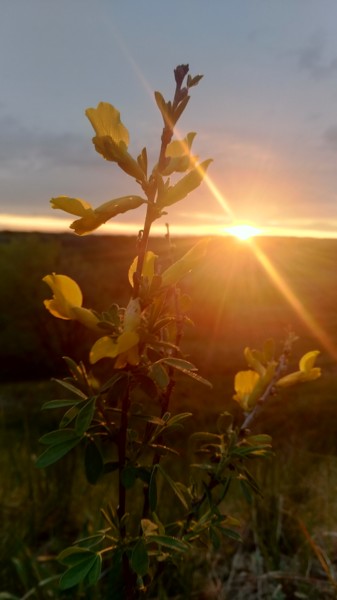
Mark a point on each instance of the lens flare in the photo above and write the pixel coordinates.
(243, 231)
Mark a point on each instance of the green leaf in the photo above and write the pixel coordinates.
(234, 535)
(71, 388)
(110, 209)
(184, 186)
(92, 540)
(73, 555)
(164, 108)
(60, 403)
(58, 436)
(93, 462)
(191, 259)
(85, 416)
(180, 109)
(153, 490)
(139, 558)
(169, 542)
(69, 416)
(54, 453)
(174, 486)
(177, 364)
(95, 571)
(177, 418)
(78, 572)
(159, 375)
(142, 161)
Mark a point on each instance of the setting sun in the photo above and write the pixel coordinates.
(243, 231)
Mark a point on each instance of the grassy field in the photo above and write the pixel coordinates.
(289, 547)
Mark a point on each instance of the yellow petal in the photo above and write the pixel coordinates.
(56, 310)
(127, 340)
(67, 294)
(132, 315)
(175, 272)
(245, 382)
(180, 147)
(308, 360)
(290, 379)
(74, 206)
(86, 317)
(148, 267)
(184, 186)
(131, 357)
(105, 120)
(105, 347)
(313, 374)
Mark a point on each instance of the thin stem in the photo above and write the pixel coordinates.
(122, 441)
(151, 188)
(281, 367)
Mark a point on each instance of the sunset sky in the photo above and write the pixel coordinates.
(266, 110)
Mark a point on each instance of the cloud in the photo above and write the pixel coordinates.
(25, 148)
(312, 58)
(330, 136)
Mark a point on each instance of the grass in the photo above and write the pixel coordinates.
(289, 547)
(289, 540)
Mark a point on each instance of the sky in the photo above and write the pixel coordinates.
(265, 110)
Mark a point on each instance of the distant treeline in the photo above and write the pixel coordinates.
(235, 301)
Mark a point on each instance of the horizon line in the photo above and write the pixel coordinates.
(43, 224)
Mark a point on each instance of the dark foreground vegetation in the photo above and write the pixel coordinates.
(289, 547)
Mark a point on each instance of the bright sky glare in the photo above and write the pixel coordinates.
(266, 110)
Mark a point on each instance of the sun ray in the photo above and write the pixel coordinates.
(310, 322)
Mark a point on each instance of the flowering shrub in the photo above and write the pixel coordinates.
(141, 343)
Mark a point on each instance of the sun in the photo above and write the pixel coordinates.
(243, 231)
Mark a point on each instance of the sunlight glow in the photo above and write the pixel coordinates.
(243, 231)
(319, 333)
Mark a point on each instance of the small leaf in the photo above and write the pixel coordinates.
(175, 364)
(69, 416)
(71, 388)
(139, 558)
(92, 540)
(149, 527)
(153, 490)
(60, 403)
(93, 461)
(85, 416)
(54, 453)
(173, 486)
(58, 437)
(78, 572)
(184, 186)
(93, 576)
(169, 542)
(73, 555)
(159, 375)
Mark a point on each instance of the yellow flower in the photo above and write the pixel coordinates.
(92, 218)
(244, 384)
(179, 154)
(112, 138)
(148, 267)
(105, 120)
(307, 371)
(125, 348)
(67, 301)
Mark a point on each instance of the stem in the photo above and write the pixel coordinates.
(282, 364)
(151, 188)
(122, 441)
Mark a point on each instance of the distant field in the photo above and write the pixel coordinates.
(235, 303)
